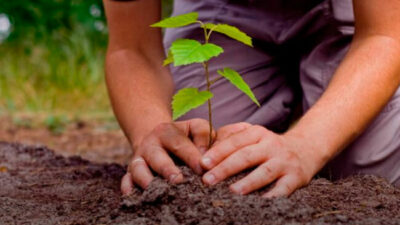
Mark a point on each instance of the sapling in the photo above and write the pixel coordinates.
(187, 51)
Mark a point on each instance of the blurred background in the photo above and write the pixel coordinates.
(51, 57)
(51, 66)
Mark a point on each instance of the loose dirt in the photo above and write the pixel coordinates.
(39, 187)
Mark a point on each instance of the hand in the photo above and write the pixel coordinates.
(288, 160)
(188, 140)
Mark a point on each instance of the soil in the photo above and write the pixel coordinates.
(39, 187)
(95, 140)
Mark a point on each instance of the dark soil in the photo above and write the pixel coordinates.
(39, 187)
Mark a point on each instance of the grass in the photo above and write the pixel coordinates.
(60, 75)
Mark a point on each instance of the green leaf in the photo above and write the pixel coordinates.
(235, 78)
(169, 59)
(178, 21)
(231, 32)
(186, 51)
(187, 99)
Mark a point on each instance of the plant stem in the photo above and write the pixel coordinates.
(207, 73)
(209, 105)
(215, 80)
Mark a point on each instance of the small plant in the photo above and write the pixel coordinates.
(186, 51)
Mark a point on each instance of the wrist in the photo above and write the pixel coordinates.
(317, 154)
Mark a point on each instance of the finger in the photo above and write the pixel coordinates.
(284, 187)
(228, 146)
(161, 163)
(175, 141)
(242, 159)
(127, 184)
(199, 130)
(140, 172)
(226, 131)
(260, 177)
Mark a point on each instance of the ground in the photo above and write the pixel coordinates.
(38, 186)
(95, 140)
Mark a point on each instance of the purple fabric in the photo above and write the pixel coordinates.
(298, 45)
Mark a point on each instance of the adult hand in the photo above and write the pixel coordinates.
(187, 140)
(287, 160)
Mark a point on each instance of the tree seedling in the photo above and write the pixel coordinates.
(187, 51)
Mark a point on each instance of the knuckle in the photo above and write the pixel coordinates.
(247, 159)
(246, 156)
(276, 143)
(290, 159)
(243, 125)
(267, 170)
(177, 146)
(151, 155)
(259, 130)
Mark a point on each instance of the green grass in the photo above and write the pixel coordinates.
(60, 75)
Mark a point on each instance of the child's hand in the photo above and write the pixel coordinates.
(289, 161)
(188, 140)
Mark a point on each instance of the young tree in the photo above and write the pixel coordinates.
(187, 51)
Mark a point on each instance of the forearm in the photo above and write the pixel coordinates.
(140, 88)
(362, 85)
(140, 91)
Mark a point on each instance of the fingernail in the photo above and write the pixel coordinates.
(206, 162)
(209, 179)
(172, 178)
(237, 188)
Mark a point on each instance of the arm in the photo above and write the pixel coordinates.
(140, 90)
(134, 61)
(362, 85)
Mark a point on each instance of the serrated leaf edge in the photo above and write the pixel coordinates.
(157, 24)
(255, 100)
(174, 117)
(214, 26)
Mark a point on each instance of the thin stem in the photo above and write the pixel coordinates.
(210, 32)
(206, 37)
(215, 80)
(209, 105)
(207, 73)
